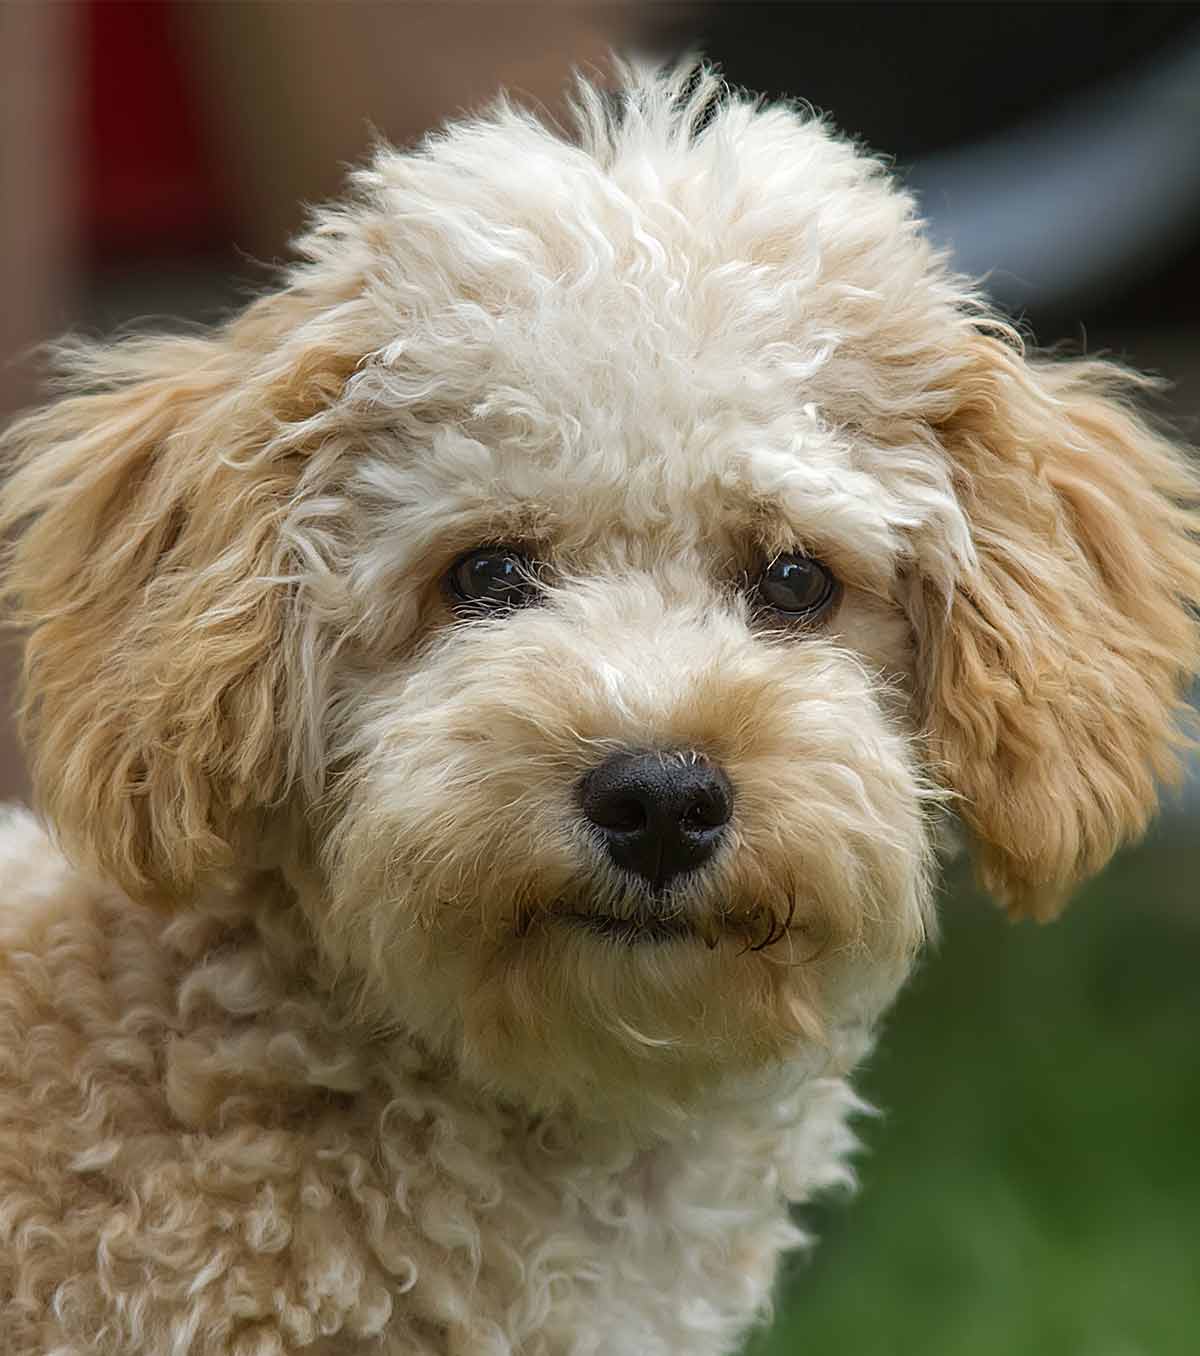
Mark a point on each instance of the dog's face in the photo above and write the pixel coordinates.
(595, 566)
(633, 782)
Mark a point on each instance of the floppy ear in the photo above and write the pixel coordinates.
(141, 514)
(1054, 678)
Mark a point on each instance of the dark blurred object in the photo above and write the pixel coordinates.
(151, 180)
(911, 79)
(1058, 145)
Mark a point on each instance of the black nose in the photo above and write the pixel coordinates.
(659, 814)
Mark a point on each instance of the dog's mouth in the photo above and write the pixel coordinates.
(638, 929)
(649, 923)
(641, 919)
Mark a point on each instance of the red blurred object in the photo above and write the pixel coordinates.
(151, 184)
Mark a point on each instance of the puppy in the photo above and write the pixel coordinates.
(491, 705)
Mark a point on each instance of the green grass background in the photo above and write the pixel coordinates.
(1032, 1184)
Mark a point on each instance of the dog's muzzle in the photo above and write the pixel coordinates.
(657, 815)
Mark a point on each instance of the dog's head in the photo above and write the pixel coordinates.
(586, 577)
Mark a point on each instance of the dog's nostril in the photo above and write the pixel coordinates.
(657, 816)
(709, 809)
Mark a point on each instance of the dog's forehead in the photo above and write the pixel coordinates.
(760, 261)
(692, 337)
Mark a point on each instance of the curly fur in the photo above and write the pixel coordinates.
(300, 1052)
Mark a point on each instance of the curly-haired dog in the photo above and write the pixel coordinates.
(494, 696)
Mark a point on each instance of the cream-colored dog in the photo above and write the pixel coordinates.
(494, 697)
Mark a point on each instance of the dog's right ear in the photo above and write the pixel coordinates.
(141, 515)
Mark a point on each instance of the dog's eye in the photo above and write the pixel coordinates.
(493, 578)
(798, 586)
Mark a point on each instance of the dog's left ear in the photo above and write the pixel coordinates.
(1053, 680)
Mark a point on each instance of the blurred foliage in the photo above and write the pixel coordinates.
(1031, 1184)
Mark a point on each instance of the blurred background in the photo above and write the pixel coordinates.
(1031, 1184)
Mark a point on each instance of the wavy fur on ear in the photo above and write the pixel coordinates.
(155, 670)
(1055, 685)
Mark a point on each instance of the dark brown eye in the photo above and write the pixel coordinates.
(797, 586)
(493, 578)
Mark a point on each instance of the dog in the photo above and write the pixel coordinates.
(494, 705)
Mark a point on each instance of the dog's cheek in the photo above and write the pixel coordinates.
(836, 809)
(439, 837)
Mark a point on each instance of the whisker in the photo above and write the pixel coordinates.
(791, 913)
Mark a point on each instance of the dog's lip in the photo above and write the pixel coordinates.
(631, 929)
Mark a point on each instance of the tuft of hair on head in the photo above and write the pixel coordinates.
(1055, 678)
(666, 104)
